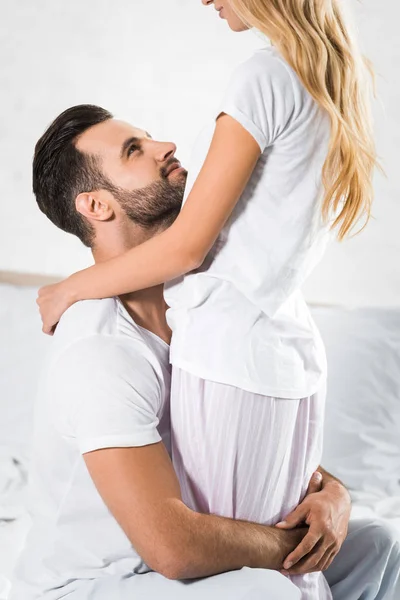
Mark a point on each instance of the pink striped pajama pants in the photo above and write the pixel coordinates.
(247, 456)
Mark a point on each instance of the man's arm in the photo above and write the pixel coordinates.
(141, 489)
(106, 396)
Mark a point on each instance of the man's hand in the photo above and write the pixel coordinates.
(327, 513)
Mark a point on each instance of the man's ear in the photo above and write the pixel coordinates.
(95, 206)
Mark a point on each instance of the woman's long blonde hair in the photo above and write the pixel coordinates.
(315, 40)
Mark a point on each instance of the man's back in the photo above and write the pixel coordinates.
(106, 384)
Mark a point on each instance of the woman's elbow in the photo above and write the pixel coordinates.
(185, 250)
(195, 259)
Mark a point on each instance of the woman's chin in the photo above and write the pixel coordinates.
(238, 28)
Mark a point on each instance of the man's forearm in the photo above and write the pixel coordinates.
(212, 545)
(215, 544)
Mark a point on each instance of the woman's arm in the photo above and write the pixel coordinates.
(182, 247)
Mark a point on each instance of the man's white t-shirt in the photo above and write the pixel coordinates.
(240, 319)
(106, 384)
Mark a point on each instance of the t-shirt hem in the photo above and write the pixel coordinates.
(250, 386)
(119, 441)
(245, 122)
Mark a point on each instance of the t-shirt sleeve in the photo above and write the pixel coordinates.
(260, 96)
(105, 395)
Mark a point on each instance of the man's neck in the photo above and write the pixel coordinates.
(146, 307)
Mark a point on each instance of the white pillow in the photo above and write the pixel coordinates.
(22, 350)
(362, 427)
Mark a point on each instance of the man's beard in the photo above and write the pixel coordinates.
(154, 207)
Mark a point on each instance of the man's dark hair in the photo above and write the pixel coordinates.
(61, 172)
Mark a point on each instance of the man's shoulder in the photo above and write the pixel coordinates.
(87, 318)
(89, 334)
(88, 331)
(97, 371)
(96, 320)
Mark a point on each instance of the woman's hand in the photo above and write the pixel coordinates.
(53, 301)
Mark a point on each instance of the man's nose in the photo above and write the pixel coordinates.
(166, 151)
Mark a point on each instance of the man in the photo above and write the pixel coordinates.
(108, 518)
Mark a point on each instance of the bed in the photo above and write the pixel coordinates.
(22, 349)
(362, 434)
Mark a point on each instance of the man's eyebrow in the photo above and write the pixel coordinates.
(128, 143)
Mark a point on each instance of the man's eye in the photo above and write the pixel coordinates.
(132, 149)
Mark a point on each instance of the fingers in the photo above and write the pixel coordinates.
(53, 302)
(299, 515)
(315, 484)
(319, 559)
(308, 543)
(47, 329)
(329, 560)
(312, 562)
(296, 517)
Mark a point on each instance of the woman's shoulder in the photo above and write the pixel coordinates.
(268, 56)
(265, 65)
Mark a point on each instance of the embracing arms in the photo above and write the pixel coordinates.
(141, 490)
(106, 397)
(95, 397)
(183, 246)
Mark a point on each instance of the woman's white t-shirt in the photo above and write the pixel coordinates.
(240, 319)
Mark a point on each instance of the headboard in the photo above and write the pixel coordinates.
(27, 279)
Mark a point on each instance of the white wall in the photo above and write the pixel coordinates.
(163, 64)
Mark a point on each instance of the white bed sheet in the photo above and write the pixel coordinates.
(14, 518)
(13, 533)
(12, 536)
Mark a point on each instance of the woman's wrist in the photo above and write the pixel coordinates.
(71, 290)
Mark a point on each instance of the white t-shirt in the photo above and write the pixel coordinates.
(240, 319)
(106, 384)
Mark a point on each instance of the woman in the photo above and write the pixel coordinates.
(288, 160)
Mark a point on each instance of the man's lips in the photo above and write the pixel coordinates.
(173, 167)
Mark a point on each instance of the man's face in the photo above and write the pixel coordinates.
(144, 175)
